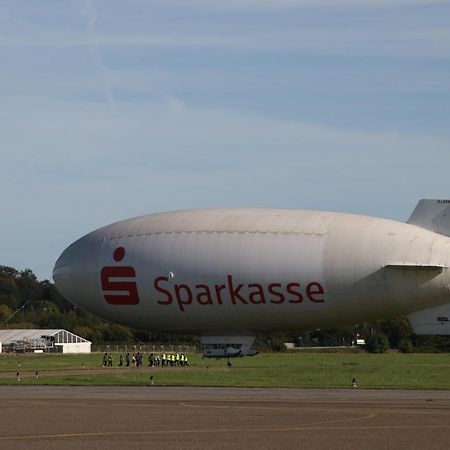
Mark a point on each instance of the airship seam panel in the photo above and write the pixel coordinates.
(123, 236)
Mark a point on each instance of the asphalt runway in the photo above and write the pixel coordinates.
(221, 418)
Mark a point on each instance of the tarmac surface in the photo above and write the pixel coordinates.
(41, 417)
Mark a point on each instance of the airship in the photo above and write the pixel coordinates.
(229, 275)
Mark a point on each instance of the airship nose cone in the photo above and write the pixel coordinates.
(62, 273)
(75, 271)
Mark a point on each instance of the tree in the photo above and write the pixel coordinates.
(377, 343)
(399, 333)
(50, 293)
(9, 291)
(5, 312)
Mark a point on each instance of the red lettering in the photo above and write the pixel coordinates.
(183, 294)
(290, 288)
(218, 288)
(206, 294)
(129, 293)
(234, 291)
(280, 295)
(314, 289)
(257, 297)
(179, 288)
(163, 291)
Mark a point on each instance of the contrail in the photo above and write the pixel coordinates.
(90, 12)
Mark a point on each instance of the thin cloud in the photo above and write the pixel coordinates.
(426, 43)
(263, 5)
(90, 13)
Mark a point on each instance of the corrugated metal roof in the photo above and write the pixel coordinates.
(7, 336)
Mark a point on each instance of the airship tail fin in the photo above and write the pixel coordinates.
(432, 321)
(432, 215)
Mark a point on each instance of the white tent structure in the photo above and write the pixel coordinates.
(60, 341)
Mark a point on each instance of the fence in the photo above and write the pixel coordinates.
(144, 348)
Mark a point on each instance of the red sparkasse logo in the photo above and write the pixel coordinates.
(232, 292)
(120, 288)
(117, 290)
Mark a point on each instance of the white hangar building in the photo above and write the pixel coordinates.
(58, 341)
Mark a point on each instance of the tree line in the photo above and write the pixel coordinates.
(26, 302)
(38, 304)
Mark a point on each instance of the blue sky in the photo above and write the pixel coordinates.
(113, 109)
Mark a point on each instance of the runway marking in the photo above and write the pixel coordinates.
(370, 415)
(400, 409)
(435, 409)
(228, 430)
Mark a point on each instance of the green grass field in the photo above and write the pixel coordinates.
(300, 370)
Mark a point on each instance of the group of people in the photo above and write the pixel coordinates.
(136, 360)
(107, 360)
(154, 360)
(170, 359)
